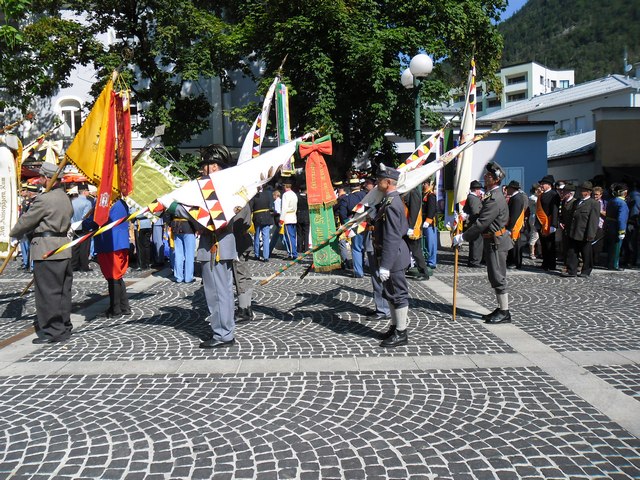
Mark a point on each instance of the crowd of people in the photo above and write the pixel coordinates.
(573, 224)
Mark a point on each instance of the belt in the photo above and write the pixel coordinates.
(494, 234)
(180, 220)
(49, 234)
(261, 210)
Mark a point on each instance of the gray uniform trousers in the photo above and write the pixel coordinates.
(217, 278)
(496, 260)
(244, 282)
(382, 306)
(53, 279)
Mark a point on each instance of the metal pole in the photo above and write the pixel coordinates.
(418, 126)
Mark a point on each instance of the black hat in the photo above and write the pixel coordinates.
(547, 179)
(586, 186)
(216, 153)
(83, 187)
(514, 184)
(475, 185)
(569, 187)
(387, 172)
(495, 170)
(370, 180)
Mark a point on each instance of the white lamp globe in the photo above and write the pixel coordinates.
(421, 65)
(407, 78)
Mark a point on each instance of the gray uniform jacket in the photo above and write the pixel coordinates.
(584, 224)
(390, 226)
(50, 213)
(472, 208)
(492, 218)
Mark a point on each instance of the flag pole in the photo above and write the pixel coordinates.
(456, 252)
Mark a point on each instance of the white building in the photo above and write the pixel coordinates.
(519, 82)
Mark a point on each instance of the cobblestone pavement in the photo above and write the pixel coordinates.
(307, 393)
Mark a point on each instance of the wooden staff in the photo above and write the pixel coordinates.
(456, 251)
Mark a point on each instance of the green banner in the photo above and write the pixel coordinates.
(323, 225)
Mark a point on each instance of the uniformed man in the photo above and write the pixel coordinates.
(390, 228)
(216, 251)
(491, 224)
(547, 207)
(518, 203)
(582, 231)
(49, 218)
(472, 209)
(357, 241)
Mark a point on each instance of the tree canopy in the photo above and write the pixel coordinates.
(344, 57)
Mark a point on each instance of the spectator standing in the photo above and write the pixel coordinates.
(290, 219)
(277, 208)
(598, 243)
(517, 202)
(184, 249)
(303, 219)
(262, 209)
(535, 191)
(615, 225)
(357, 240)
(82, 208)
(429, 226)
(630, 245)
(157, 240)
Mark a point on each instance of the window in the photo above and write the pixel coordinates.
(564, 83)
(515, 97)
(553, 84)
(541, 80)
(478, 92)
(518, 79)
(581, 124)
(493, 102)
(565, 126)
(72, 116)
(479, 106)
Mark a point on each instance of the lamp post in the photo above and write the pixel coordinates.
(419, 67)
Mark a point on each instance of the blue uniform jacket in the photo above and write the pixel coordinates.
(115, 239)
(390, 226)
(617, 216)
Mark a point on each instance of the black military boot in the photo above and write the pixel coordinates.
(398, 338)
(489, 316)
(389, 333)
(503, 316)
(244, 315)
(124, 299)
(114, 299)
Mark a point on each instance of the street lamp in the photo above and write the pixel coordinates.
(419, 67)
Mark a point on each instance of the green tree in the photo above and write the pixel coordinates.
(344, 58)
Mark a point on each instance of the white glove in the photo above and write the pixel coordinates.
(410, 232)
(552, 229)
(621, 236)
(426, 224)
(464, 216)
(383, 274)
(457, 240)
(76, 225)
(14, 242)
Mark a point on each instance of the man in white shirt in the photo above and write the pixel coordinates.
(290, 219)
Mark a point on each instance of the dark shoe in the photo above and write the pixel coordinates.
(398, 338)
(503, 316)
(47, 340)
(388, 334)
(490, 315)
(511, 267)
(413, 272)
(217, 343)
(568, 275)
(244, 315)
(378, 316)
(584, 275)
(619, 269)
(87, 269)
(474, 265)
(112, 314)
(421, 277)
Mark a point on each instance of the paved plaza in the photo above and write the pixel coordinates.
(307, 393)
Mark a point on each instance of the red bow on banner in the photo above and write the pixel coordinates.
(322, 145)
(319, 189)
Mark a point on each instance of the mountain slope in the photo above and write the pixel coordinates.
(585, 35)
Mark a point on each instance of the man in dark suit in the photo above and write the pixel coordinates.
(472, 208)
(303, 220)
(518, 203)
(491, 224)
(547, 221)
(567, 204)
(582, 231)
(49, 218)
(390, 228)
(263, 212)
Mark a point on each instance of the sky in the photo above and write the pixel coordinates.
(513, 7)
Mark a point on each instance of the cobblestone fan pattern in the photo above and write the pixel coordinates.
(493, 423)
(312, 318)
(623, 377)
(18, 313)
(595, 314)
